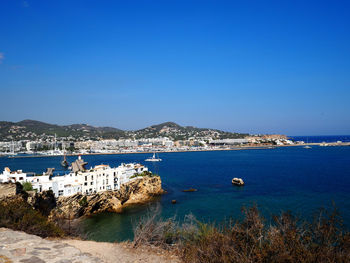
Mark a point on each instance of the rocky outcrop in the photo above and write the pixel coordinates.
(138, 191)
(44, 201)
(135, 192)
(21, 247)
(10, 189)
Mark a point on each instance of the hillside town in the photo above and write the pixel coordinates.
(59, 146)
(38, 138)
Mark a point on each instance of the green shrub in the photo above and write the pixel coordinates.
(144, 173)
(83, 202)
(27, 186)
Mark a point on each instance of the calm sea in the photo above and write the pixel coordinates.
(289, 178)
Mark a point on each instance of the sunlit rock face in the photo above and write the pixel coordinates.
(138, 191)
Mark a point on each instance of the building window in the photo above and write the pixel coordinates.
(85, 183)
(91, 183)
(92, 177)
(85, 178)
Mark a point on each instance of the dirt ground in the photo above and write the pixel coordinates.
(122, 252)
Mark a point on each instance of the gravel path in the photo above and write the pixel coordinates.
(16, 246)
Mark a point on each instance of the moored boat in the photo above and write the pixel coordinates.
(238, 181)
(153, 159)
(190, 190)
(64, 162)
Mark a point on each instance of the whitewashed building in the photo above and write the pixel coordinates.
(80, 180)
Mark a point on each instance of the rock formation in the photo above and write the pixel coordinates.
(135, 192)
(9, 189)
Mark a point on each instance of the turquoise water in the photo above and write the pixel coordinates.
(287, 178)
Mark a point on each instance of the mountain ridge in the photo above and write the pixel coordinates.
(32, 129)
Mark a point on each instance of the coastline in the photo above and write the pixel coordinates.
(260, 147)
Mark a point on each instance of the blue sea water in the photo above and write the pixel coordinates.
(280, 179)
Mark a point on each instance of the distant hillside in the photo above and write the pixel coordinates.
(32, 130)
(177, 132)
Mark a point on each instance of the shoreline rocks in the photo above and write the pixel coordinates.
(138, 191)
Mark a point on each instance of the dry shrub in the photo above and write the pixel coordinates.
(285, 239)
(19, 215)
(152, 230)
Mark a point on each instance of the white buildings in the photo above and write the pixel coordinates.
(97, 179)
(8, 176)
(228, 142)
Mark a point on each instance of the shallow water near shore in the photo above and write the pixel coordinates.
(280, 179)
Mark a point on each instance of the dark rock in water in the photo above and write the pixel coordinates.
(173, 201)
(190, 190)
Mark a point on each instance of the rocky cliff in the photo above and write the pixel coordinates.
(140, 190)
(137, 191)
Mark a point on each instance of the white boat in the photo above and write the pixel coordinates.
(307, 147)
(153, 159)
(238, 181)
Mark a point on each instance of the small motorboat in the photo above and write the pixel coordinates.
(190, 190)
(238, 181)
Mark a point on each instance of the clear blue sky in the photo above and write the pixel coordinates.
(245, 66)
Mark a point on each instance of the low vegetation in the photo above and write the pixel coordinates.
(17, 214)
(285, 239)
(144, 173)
(27, 186)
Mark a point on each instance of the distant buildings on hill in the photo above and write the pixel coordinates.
(54, 147)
